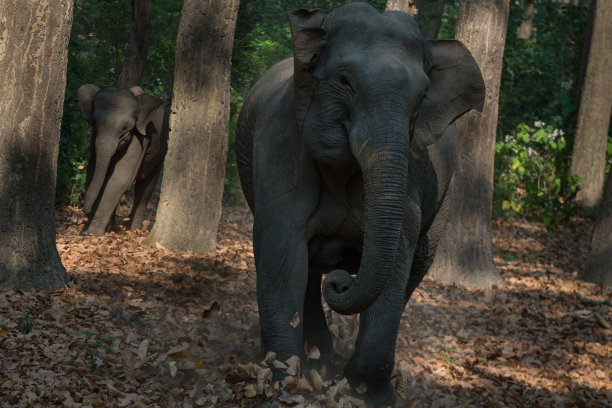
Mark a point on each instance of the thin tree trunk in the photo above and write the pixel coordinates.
(589, 154)
(34, 38)
(524, 30)
(465, 252)
(430, 16)
(407, 6)
(599, 267)
(194, 170)
(584, 54)
(138, 45)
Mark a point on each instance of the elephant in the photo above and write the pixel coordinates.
(129, 140)
(345, 153)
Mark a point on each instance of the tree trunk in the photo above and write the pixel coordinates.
(430, 16)
(465, 252)
(524, 30)
(407, 6)
(34, 38)
(599, 268)
(584, 54)
(138, 45)
(194, 170)
(427, 12)
(589, 154)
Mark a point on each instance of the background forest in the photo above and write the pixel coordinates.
(539, 93)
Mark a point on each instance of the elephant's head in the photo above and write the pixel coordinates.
(371, 92)
(116, 115)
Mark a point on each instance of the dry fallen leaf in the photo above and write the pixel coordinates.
(314, 353)
(142, 349)
(173, 368)
(209, 310)
(295, 321)
(293, 365)
(179, 351)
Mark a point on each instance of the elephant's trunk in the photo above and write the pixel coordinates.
(104, 153)
(384, 164)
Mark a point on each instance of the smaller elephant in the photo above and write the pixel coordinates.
(129, 140)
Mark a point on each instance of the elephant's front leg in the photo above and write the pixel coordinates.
(372, 363)
(281, 258)
(119, 180)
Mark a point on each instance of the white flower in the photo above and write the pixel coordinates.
(539, 124)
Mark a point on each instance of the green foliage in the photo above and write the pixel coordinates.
(609, 154)
(449, 20)
(92, 346)
(540, 74)
(532, 174)
(25, 324)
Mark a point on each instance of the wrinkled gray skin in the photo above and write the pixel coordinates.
(345, 153)
(129, 140)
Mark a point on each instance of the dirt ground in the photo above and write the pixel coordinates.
(142, 326)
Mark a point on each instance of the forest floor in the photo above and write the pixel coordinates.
(142, 326)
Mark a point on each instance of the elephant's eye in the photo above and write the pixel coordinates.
(345, 82)
(125, 128)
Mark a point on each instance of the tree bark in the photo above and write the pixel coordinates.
(599, 267)
(194, 169)
(34, 38)
(407, 6)
(584, 54)
(427, 12)
(430, 16)
(465, 252)
(524, 30)
(589, 154)
(138, 45)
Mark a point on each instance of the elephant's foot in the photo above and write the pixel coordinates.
(377, 391)
(135, 226)
(93, 231)
(318, 347)
(96, 229)
(377, 394)
(136, 221)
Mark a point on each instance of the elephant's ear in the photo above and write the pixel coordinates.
(456, 86)
(84, 97)
(147, 105)
(308, 39)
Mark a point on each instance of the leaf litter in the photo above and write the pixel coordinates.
(146, 326)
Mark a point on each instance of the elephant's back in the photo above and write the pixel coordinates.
(259, 106)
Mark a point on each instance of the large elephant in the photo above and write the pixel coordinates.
(345, 153)
(129, 140)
